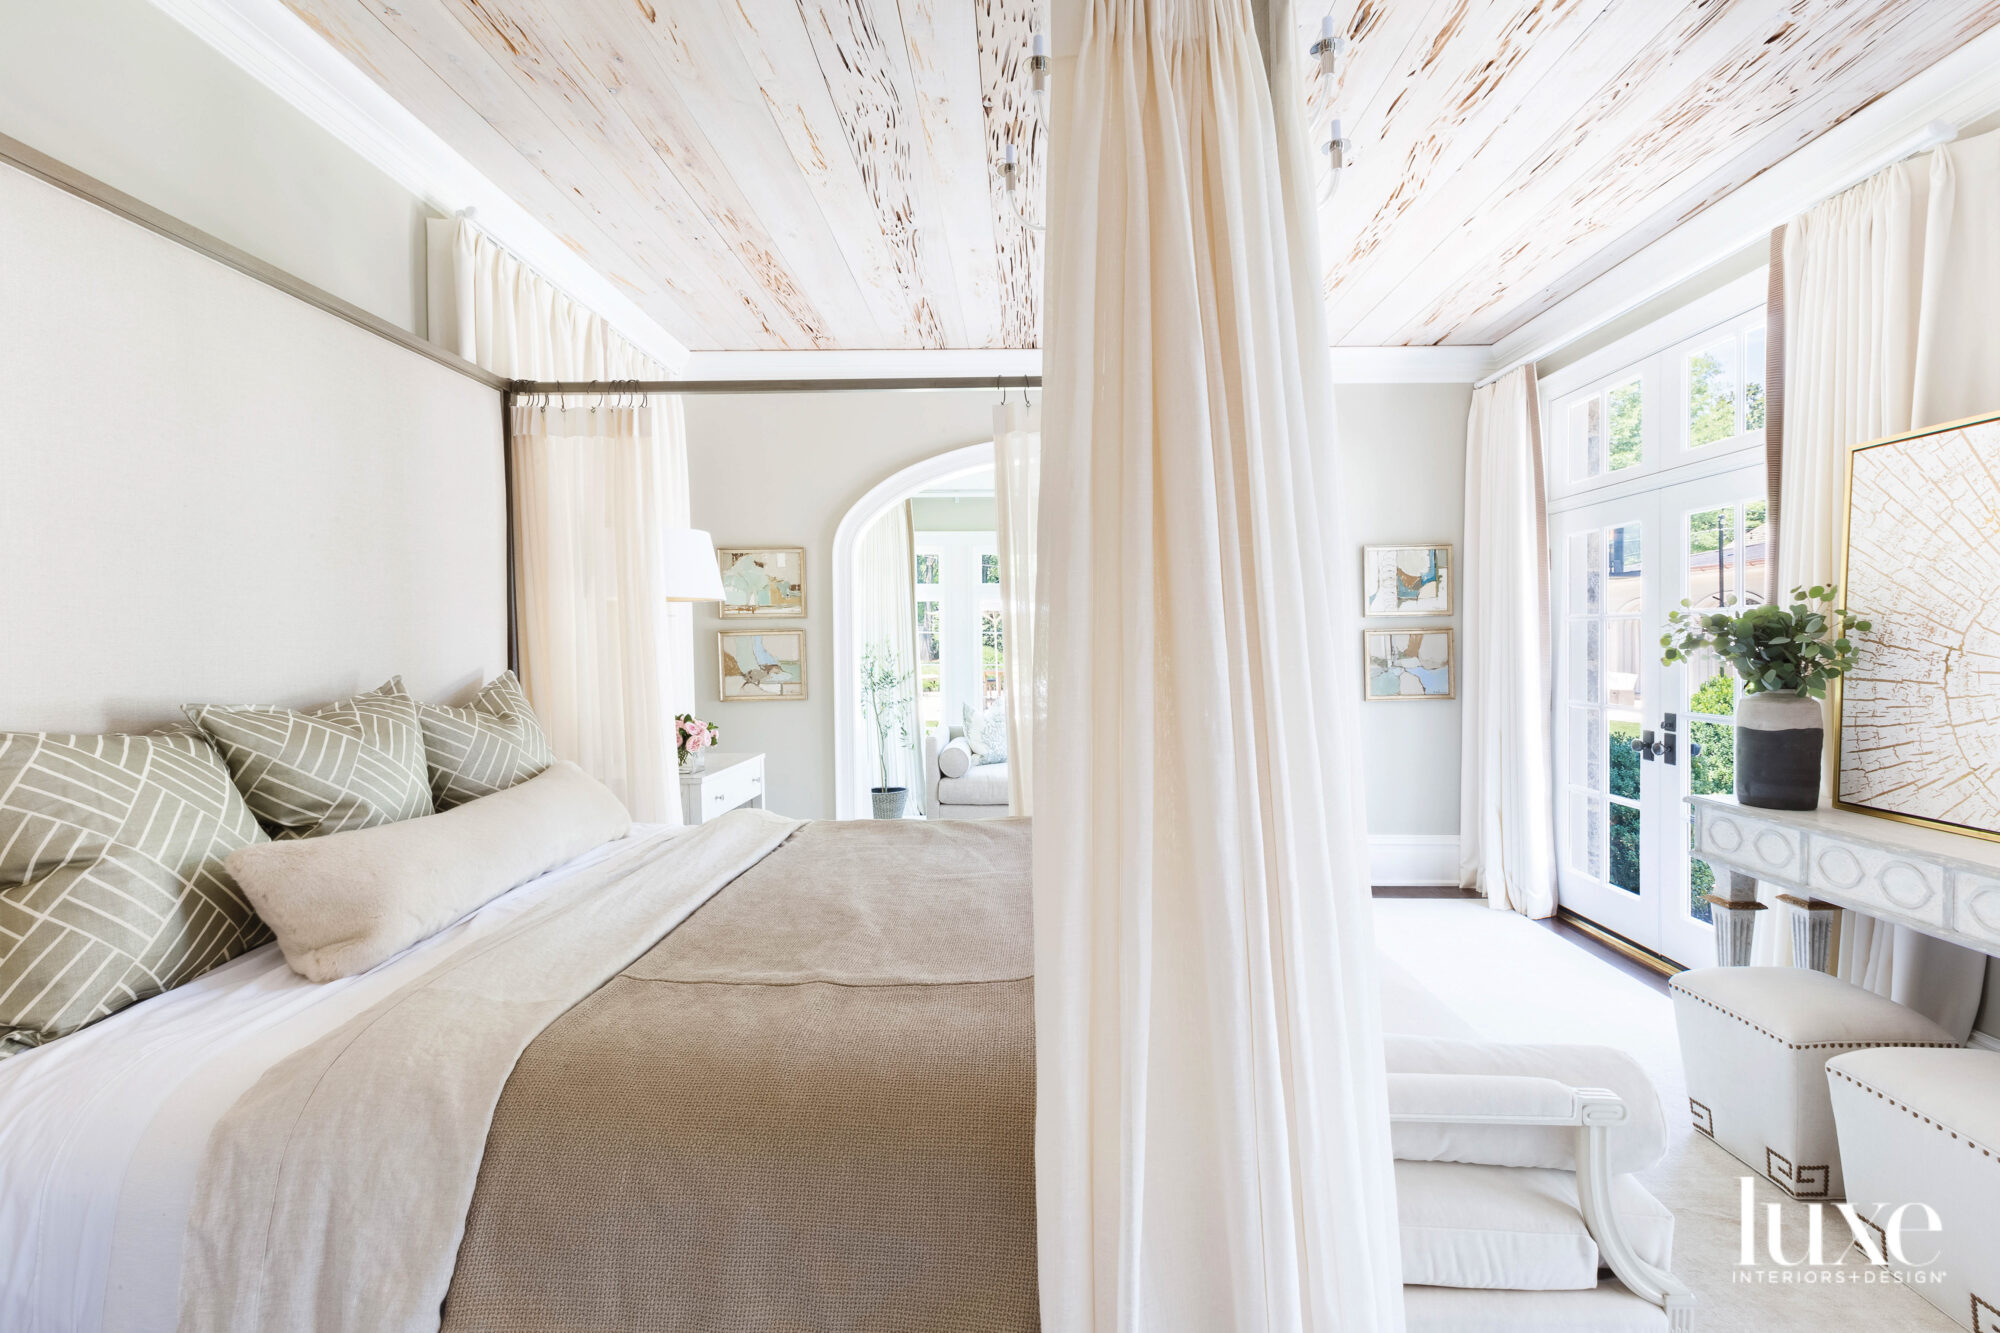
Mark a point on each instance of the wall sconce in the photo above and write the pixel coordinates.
(1010, 169)
(1038, 69)
(1330, 48)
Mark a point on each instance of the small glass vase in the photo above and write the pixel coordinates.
(694, 762)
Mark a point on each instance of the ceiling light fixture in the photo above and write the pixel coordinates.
(1338, 147)
(1330, 48)
(1038, 68)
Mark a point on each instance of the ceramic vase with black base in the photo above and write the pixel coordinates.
(889, 801)
(1779, 740)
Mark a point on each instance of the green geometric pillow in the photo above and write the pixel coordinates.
(111, 880)
(487, 746)
(351, 764)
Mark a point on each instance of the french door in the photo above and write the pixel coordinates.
(1633, 737)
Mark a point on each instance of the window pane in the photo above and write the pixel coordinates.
(1755, 528)
(1712, 393)
(1626, 446)
(1624, 759)
(1701, 881)
(1712, 557)
(1625, 569)
(1753, 379)
(1586, 564)
(1586, 748)
(992, 656)
(1711, 686)
(1625, 847)
(989, 569)
(927, 568)
(1586, 834)
(1713, 771)
(1586, 438)
(1621, 677)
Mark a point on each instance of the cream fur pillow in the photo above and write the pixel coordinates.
(342, 903)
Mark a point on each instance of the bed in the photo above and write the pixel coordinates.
(752, 1075)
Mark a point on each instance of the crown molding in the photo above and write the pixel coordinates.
(1958, 90)
(279, 50)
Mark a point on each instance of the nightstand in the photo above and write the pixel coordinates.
(728, 781)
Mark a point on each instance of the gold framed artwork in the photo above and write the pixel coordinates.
(760, 664)
(1916, 722)
(762, 581)
(1403, 665)
(1406, 580)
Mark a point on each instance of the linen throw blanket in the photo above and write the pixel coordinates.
(809, 1106)
(333, 1194)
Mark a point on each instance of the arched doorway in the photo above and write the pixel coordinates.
(853, 741)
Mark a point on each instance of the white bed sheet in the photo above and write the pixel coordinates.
(102, 1133)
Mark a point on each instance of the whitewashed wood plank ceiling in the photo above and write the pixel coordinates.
(823, 174)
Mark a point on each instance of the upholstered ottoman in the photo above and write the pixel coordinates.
(1923, 1126)
(1755, 1042)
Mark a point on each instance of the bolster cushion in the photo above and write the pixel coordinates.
(1636, 1145)
(342, 903)
(955, 759)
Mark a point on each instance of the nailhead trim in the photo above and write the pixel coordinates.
(1990, 1308)
(1803, 1046)
(1942, 1128)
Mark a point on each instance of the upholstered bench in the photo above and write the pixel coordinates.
(1755, 1042)
(1923, 1126)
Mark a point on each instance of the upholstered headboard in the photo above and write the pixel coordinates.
(210, 490)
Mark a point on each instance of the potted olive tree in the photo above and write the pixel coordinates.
(884, 698)
(1785, 655)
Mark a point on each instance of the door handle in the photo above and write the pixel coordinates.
(1649, 749)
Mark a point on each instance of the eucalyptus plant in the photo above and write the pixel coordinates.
(1793, 649)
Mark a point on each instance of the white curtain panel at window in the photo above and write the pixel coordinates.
(1890, 294)
(1506, 832)
(1212, 1147)
(1017, 474)
(885, 622)
(594, 575)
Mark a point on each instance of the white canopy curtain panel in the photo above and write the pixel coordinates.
(1212, 1144)
(1890, 293)
(885, 635)
(1017, 474)
(598, 482)
(1507, 835)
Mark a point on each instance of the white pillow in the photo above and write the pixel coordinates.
(955, 759)
(986, 732)
(1636, 1145)
(1514, 1229)
(342, 903)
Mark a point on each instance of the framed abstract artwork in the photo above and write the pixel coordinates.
(760, 664)
(1406, 580)
(762, 581)
(1916, 721)
(1408, 664)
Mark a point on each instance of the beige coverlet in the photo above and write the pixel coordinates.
(810, 1107)
(334, 1194)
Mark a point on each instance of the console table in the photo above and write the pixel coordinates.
(1943, 884)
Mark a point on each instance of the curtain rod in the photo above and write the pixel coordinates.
(775, 386)
(64, 177)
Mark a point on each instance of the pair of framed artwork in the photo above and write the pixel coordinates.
(758, 583)
(1419, 662)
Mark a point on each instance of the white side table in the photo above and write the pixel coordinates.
(729, 780)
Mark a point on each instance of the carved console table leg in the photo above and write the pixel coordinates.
(1812, 931)
(1735, 920)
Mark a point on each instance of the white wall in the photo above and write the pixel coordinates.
(212, 491)
(122, 92)
(1403, 466)
(781, 469)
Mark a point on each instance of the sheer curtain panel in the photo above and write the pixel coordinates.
(1507, 836)
(1890, 293)
(1212, 1147)
(885, 621)
(605, 659)
(1017, 473)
